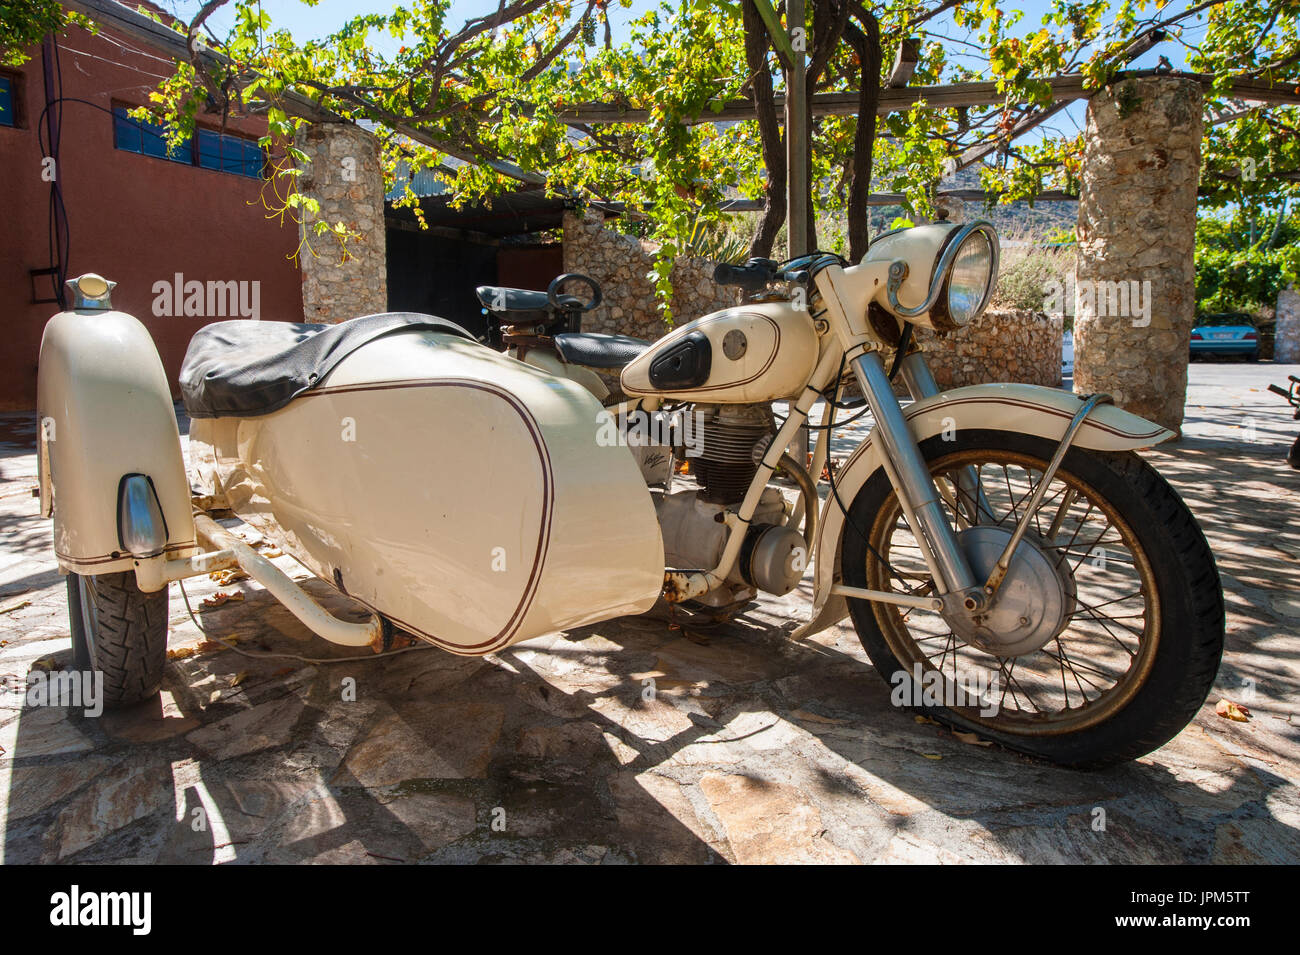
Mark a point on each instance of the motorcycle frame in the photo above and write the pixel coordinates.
(845, 296)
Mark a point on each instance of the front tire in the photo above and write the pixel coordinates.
(1141, 647)
(119, 631)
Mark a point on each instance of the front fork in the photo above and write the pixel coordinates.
(911, 479)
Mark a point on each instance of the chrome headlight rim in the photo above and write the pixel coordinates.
(943, 271)
(943, 305)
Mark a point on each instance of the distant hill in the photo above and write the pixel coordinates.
(1011, 220)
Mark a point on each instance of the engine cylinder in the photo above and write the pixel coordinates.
(726, 461)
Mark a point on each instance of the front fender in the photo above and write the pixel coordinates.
(1025, 409)
(105, 411)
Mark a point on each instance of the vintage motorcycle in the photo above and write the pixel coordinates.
(1001, 550)
(1292, 394)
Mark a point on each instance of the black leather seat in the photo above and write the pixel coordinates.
(520, 306)
(496, 298)
(243, 369)
(596, 350)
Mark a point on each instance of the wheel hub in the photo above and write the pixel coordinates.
(1030, 608)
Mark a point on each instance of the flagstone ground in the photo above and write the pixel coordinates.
(753, 749)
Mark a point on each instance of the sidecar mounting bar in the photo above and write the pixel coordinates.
(282, 588)
(888, 597)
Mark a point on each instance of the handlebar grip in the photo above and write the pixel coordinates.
(1279, 390)
(751, 276)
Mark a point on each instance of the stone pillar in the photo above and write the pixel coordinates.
(343, 281)
(1286, 343)
(1135, 290)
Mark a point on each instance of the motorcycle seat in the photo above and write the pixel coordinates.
(243, 369)
(596, 350)
(517, 302)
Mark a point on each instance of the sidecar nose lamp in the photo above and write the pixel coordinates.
(141, 528)
(91, 291)
(970, 283)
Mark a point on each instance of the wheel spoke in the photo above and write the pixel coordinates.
(1080, 672)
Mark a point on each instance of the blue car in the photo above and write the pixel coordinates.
(1225, 334)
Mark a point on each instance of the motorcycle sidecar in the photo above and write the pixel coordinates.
(462, 495)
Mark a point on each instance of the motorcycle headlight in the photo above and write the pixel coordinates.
(960, 281)
(970, 280)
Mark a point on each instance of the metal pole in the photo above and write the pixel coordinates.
(796, 133)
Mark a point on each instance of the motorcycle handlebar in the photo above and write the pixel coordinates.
(752, 276)
(1279, 390)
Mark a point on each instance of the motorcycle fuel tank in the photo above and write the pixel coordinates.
(746, 354)
(465, 496)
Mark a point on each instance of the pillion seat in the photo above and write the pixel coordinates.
(597, 350)
(516, 308)
(243, 369)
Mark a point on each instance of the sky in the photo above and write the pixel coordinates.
(306, 22)
(318, 21)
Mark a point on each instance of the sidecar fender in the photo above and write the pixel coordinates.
(105, 411)
(1024, 409)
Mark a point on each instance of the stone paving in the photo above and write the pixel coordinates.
(753, 749)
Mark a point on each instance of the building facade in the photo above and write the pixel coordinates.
(185, 233)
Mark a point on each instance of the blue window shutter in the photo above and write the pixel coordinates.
(7, 115)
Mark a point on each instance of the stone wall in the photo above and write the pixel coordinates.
(1136, 231)
(620, 264)
(1286, 343)
(1000, 345)
(343, 281)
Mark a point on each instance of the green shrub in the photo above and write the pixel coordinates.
(1025, 277)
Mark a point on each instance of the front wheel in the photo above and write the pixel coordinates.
(119, 631)
(1124, 580)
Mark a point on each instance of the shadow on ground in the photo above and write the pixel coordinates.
(751, 747)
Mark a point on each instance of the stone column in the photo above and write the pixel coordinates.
(343, 281)
(1286, 343)
(1135, 290)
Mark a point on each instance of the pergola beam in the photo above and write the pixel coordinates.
(946, 96)
(909, 54)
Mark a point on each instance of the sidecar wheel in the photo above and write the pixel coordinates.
(119, 631)
(1143, 628)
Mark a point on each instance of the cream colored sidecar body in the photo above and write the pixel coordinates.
(461, 494)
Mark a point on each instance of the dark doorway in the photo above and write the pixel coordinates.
(437, 275)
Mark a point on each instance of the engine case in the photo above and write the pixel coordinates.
(694, 536)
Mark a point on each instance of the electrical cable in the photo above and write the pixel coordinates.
(904, 340)
(835, 491)
(291, 656)
(50, 127)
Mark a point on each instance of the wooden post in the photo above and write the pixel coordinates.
(796, 134)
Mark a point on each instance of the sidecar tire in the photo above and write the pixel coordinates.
(120, 631)
(1191, 643)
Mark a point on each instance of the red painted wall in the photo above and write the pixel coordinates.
(134, 219)
(530, 266)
